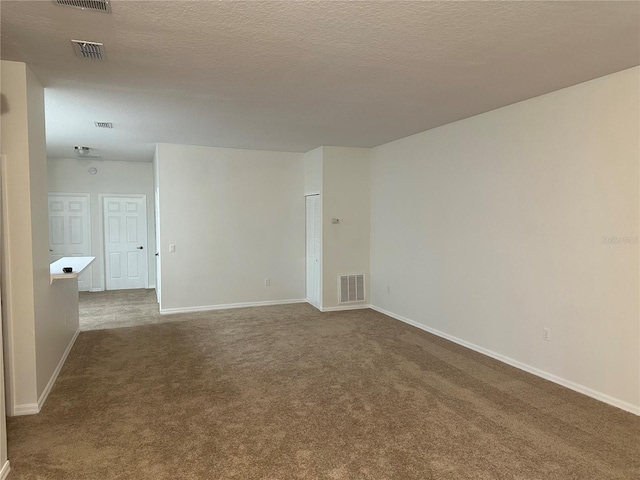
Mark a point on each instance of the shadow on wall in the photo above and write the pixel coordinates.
(4, 105)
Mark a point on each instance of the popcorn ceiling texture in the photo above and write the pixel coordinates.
(286, 392)
(296, 75)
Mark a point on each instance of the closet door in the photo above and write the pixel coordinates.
(70, 230)
(313, 249)
(125, 242)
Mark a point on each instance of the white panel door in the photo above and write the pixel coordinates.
(313, 248)
(125, 242)
(70, 230)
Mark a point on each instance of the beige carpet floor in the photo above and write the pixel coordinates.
(119, 308)
(286, 392)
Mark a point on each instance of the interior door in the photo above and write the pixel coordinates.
(125, 242)
(70, 230)
(313, 248)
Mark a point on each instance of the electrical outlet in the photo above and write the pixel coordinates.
(172, 248)
(546, 334)
(267, 282)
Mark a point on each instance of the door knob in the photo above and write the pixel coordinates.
(139, 248)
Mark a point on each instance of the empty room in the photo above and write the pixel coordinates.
(320, 240)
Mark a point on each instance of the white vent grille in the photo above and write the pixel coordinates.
(97, 5)
(351, 288)
(103, 124)
(91, 50)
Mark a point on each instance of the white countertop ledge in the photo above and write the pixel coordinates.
(79, 265)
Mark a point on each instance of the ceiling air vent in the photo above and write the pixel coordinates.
(97, 5)
(92, 50)
(103, 124)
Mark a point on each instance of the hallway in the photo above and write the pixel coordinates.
(118, 308)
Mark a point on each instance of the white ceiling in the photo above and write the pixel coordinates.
(283, 75)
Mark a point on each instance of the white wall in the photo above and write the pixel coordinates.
(156, 216)
(235, 217)
(4, 462)
(342, 177)
(19, 338)
(495, 227)
(72, 176)
(38, 328)
(345, 196)
(313, 171)
(4, 459)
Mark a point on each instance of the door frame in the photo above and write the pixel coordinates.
(101, 197)
(89, 271)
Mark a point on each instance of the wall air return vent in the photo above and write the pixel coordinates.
(97, 5)
(91, 50)
(351, 288)
(103, 124)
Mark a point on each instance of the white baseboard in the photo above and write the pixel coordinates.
(603, 397)
(5, 470)
(344, 307)
(151, 287)
(24, 409)
(97, 289)
(206, 308)
(56, 372)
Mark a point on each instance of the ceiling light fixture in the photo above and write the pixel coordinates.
(82, 151)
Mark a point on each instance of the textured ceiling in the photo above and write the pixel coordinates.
(296, 75)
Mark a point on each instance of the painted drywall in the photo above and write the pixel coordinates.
(236, 217)
(4, 462)
(313, 171)
(156, 216)
(38, 327)
(495, 227)
(55, 306)
(345, 196)
(19, 339)
(72, 176)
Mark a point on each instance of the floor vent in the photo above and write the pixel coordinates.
(91, 50)
(97, 5)
(351, 288)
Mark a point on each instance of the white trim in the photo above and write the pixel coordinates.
(206, 308)
(56, 372)
(344, 307)
(6, 468)
(603, 397)
(98, 289)
(313, 304)
(151, 287)
(24, 409)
